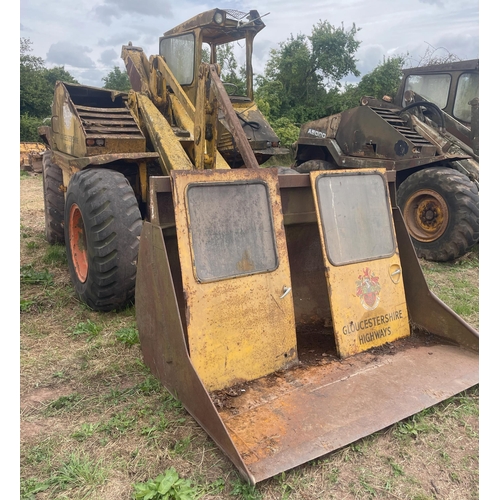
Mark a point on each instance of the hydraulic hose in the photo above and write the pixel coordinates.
(254, 125)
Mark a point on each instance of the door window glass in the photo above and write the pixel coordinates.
(231, 230)
(356, 218)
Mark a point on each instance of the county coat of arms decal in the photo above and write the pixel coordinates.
(368, 289)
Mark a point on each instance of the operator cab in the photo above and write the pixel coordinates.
(183, 47)
(450, 86)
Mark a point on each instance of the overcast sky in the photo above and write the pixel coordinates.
(86, 37)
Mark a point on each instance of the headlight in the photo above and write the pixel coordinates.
(218, 17)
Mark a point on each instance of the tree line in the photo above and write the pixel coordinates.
(301, 80)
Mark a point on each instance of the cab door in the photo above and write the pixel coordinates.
(361, 258)
(235, 274)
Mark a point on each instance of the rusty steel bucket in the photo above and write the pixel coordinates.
(282, 346)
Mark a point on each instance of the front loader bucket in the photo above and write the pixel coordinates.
(281, 341)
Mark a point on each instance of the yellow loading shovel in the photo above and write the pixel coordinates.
(289, 313)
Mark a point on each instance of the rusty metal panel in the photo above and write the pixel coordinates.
(287, 419)
(362, 263)
(427, 311)
(239, 304)
(380, 133)
(68, 134)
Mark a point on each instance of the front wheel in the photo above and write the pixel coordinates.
(440, 207)
(102, 225)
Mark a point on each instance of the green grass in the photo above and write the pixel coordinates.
(63, 404)
(128, 335)
(78, 472)
(55, 255)
(87, 328)
(165, 486)
(32, 276)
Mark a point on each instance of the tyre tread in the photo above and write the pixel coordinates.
(53, 200)
(463, 198)
(113, 226)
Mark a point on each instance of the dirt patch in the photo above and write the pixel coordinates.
(42, 395)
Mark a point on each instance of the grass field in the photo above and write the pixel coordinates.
(96, 425)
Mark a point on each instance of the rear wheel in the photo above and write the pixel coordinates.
(441, 210)
(53, 200)
(102, 228)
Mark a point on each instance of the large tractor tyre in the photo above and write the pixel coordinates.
(53, 200)
(312, 165)
(102, 226)
(440, 207)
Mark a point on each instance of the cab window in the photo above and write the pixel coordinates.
(178, 52)
(435, 88)
(467, 89)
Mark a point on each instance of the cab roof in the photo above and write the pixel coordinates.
(234, 25)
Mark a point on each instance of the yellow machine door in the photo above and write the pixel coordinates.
(239, 314)
(361, 258)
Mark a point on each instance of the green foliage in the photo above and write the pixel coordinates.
(64, 403)
(397, 470)
(181, 446)
(30, 487)
(85, 431)
(55, 255)
(383, 80)
(36, 90)
(128, 336)
(413, 427)
(57, 73)
(300, 74)
(77, 471)
(244, 490)
(26, 305)
(35, 94)
(286, 130)
(32, 245)
(30, 276)
(29, 128)
(230, 71)
(149, 386)
(166, 486)
(117, 79)
(118, 424)
(333, 51)
(88, 328)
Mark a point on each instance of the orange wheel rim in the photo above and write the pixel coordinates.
(426, 215)
(78, 243)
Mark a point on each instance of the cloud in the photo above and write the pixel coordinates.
(368, 57)
(439, 3)
(109, 57)
(92, 77)
(117, 39)
(109, 9)
(67, 53)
